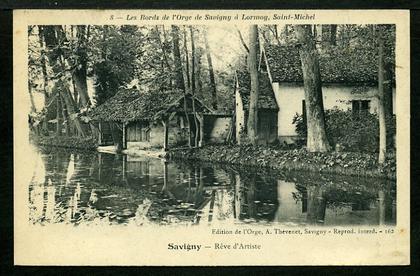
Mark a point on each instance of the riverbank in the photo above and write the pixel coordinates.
(82, 143)
(344, 163)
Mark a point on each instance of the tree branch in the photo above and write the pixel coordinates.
(242, 40)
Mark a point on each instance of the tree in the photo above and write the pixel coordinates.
(333, 35)
(179, 77)
(162, 46)
(329, 35)
(44, 74)
(252, 124)
(388, 33)
(317, 138)
(193, 83)
(114, 53)
(187, 62)
(381, 97)
(80, 67)
(54, 39)
(211, 72)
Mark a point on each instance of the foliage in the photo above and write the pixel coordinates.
(113, 58)
(351, 132)
(346, 163)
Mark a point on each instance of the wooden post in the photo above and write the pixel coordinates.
(200, 118)
(381, 205)
(165, 176)
(100, 133)
(124, 136)
(124, 169)
(165, 131)
(99, 166)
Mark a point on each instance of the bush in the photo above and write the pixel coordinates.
(359, 133)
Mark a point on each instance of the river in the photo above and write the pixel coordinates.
(71, 187)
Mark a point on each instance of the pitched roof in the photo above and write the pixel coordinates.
(266, 98)
(337, 64)
(131, 105)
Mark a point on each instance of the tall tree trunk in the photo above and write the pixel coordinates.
(381, 105)
(252, 124)
(58, 110)
(44, 75)
(31, 97)
(286, 34)
(187, 62)
(388, 62)
(325, 35)
(80, 72)
(276, 34)
(65, 116)
(193, 53)
(317, 137)
(333, 35)
(53, 35)
(179, 77)
(165, 55)
(211, 73)
(198, 83)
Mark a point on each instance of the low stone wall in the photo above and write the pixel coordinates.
(345, 163)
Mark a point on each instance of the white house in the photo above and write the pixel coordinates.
(349, 81)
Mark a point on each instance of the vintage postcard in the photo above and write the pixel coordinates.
(211, 137)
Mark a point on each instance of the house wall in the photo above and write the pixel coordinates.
(289, 98)
(177, 135)
(267, 122)
(267, 126)
(216, 128)
(105, 133)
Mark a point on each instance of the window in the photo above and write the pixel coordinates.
(360, 106)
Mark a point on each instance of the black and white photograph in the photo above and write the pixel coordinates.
(264, 129)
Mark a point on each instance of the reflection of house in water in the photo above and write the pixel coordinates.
(289, 208)
(190, 191)
(73, 187)
(249, 198)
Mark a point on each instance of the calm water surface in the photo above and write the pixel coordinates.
(98, 188)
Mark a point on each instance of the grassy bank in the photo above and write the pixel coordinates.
(345, 163)
(87, 143)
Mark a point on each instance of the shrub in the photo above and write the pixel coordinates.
(352, 132)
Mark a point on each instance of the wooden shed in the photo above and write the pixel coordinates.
(158, 119)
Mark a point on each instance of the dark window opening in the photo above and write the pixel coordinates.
(360, 106)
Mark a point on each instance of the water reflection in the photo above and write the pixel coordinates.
(97, 188)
